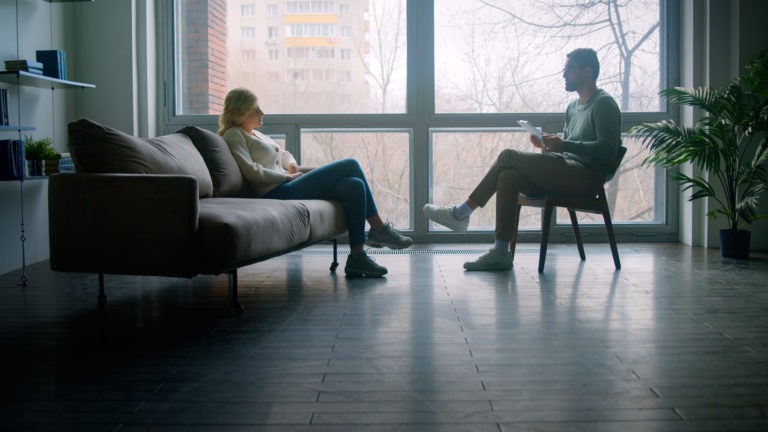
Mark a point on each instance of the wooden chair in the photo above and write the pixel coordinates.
(593, 203)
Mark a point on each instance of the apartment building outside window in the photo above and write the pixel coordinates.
(311, 52)
(310, 7)
(249, 55)
(310, 30)
(248, 32)
(247, 10)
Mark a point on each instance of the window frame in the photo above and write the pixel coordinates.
(420, 118)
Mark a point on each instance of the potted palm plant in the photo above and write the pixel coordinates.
(728, 144)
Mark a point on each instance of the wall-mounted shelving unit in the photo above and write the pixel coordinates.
(19, 79)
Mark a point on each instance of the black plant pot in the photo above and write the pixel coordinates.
(734, 244)
(34, 168)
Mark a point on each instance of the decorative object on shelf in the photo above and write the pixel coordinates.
(51, 165)
(36, 152)
(729, 145)
(54, 63)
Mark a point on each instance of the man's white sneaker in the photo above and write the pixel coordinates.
(443, 215)
(491, 261)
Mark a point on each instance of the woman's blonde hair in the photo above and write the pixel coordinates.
(237, 107)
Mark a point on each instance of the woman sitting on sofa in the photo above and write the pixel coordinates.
(275, 174)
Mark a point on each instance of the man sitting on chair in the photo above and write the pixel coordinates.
(574, 164)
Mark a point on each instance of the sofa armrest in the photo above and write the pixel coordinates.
(141, 224)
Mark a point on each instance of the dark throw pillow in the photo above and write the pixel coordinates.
(226, 176)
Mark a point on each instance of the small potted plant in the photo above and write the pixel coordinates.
(728, 144)
(37, 151)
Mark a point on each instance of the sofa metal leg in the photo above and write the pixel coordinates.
(235, 299)
(335, 262)
(102, 299)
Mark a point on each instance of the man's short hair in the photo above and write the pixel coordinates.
(586, 57)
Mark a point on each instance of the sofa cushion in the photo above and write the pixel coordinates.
(226, 176)
(233, 232)
(97, 148)
(326, 219)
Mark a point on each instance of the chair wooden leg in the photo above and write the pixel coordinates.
(513, 241)
(577, 233)
(545, 224)
(611, 238)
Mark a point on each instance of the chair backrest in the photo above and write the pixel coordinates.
(620, 152)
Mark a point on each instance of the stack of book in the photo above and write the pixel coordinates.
(11, 159)
(4, 107)
(54, 63)
(61, 164)
(65, 164)
(24, 65)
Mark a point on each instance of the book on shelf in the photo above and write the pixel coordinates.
(26, 69)
(4, 120)
(54, 63)
(23, 64)
(11, 159)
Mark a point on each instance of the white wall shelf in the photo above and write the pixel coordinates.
(15, 128)
(29, 79)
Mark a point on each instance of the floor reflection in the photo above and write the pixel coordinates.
(675, 340)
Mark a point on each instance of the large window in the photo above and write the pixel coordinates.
(425, 93)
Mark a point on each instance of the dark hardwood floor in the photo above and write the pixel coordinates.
(677, 340)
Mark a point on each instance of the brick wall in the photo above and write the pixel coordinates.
(204, 56)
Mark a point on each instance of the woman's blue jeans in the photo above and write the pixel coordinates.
(342, 181)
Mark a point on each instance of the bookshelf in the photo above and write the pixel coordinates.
(24, 79)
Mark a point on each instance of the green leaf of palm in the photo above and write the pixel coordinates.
(705, 98)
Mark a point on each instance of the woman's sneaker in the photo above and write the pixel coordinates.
(360, 265)
(491, 261)
(388, 237)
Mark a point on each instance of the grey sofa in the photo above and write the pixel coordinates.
(176, 205)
